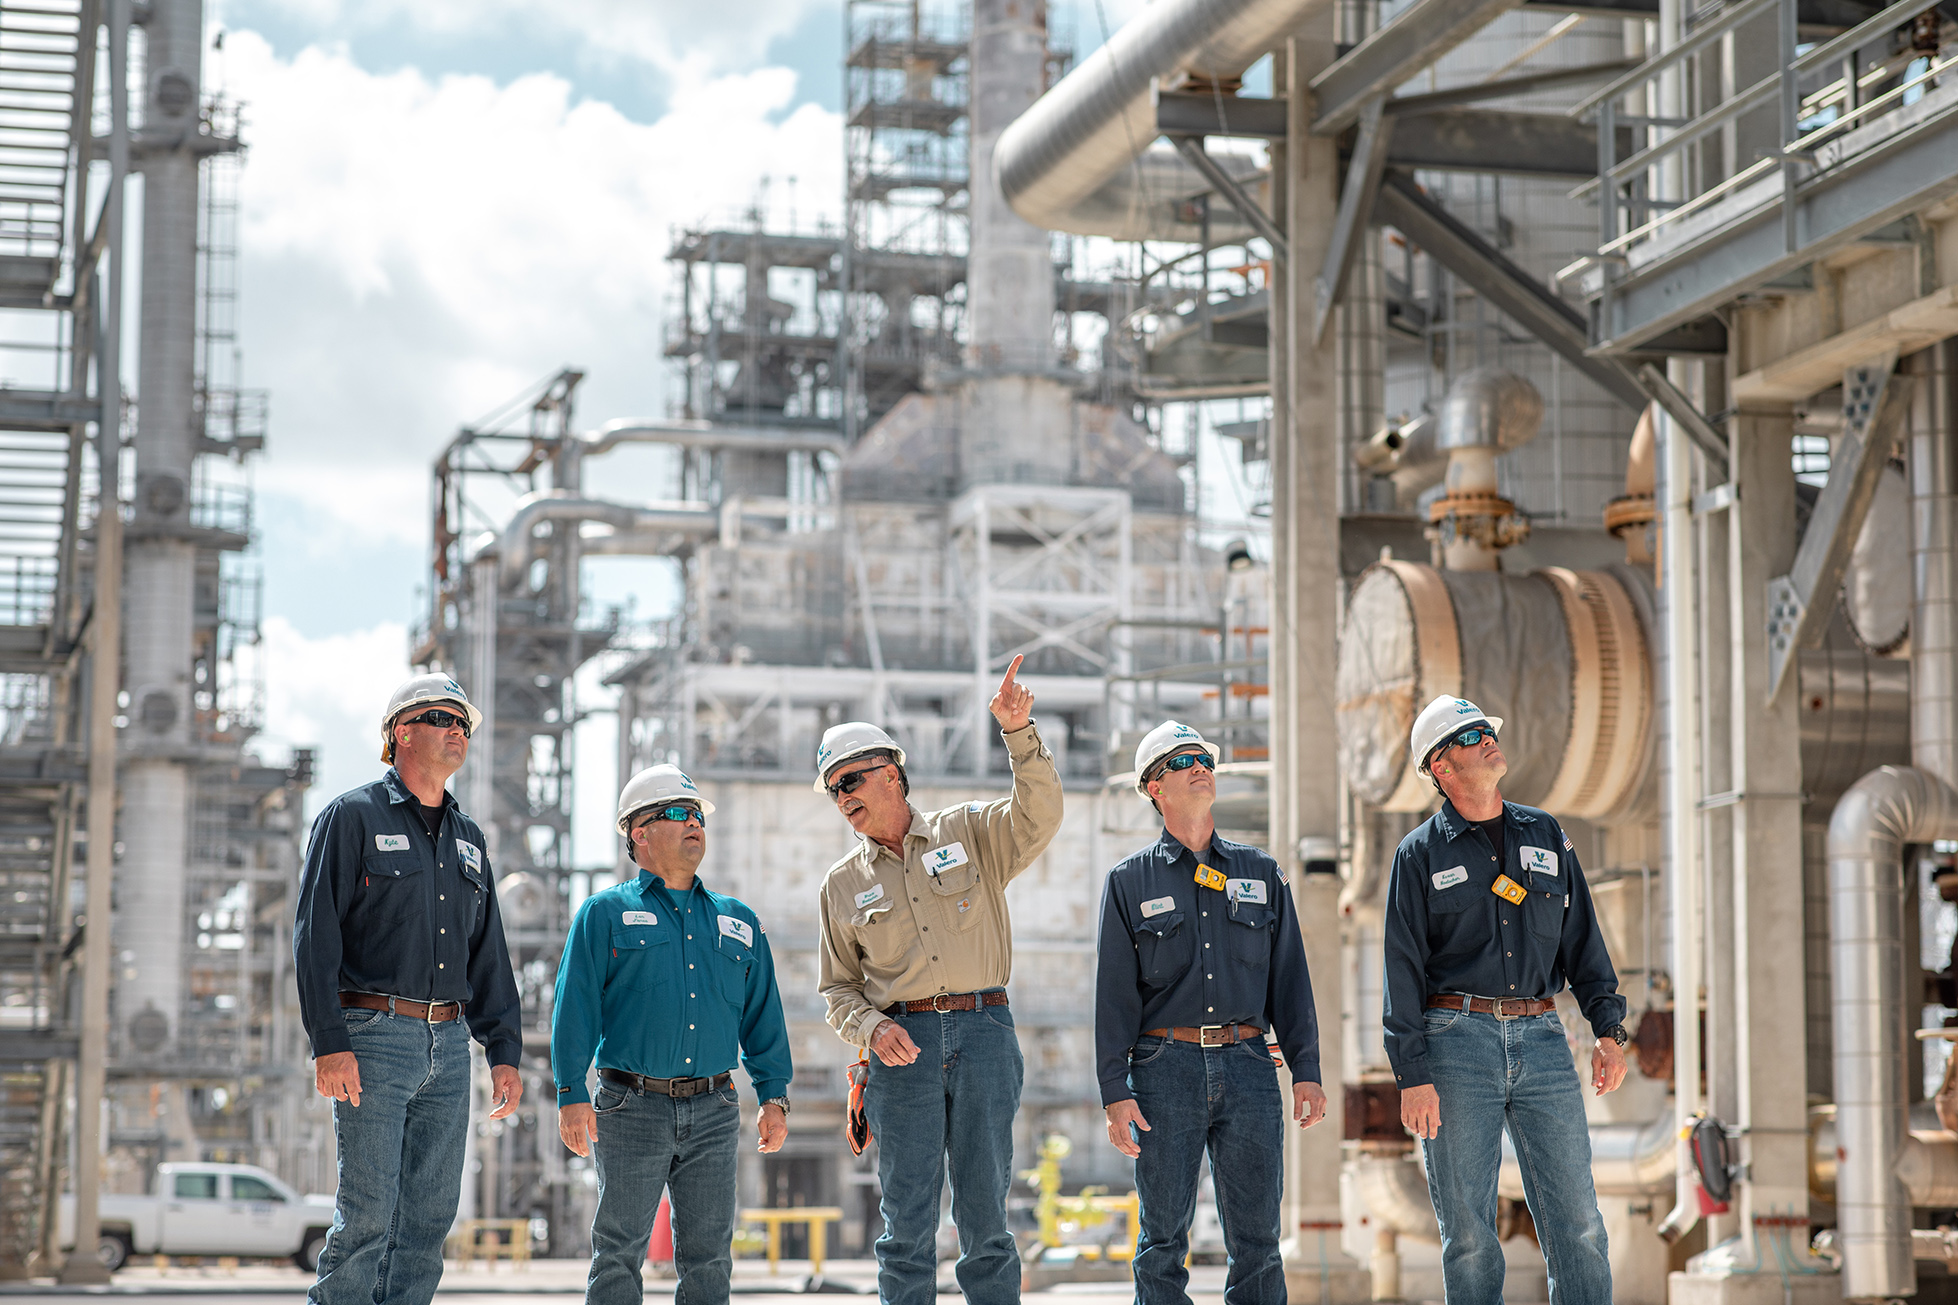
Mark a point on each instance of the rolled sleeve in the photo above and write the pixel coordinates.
(1406, 963)
(841, 983)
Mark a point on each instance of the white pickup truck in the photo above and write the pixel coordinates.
(209, 1209)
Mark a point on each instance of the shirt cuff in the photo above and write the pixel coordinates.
(1304, 1071)
(1024, 742)
(1115, 1090)
(769, 1089)
(573, 1095)
(331, 1041)
(1413, 1073)
(867, 1026)
(505, 1051)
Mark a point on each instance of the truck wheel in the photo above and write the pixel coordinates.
(113, 1250)
(311, 1247)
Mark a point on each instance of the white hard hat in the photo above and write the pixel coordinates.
(851, 739)
(655, 787)
(1168, 737)
(1441, 719)
(436, 687)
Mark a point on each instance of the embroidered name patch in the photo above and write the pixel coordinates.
(390, 842)
(1245, 890)
(949, 857)
(1449, 878)
(639, 917)
(1538, 860)
(1158, 906)
(472, 856)
(737, 929)
(874, 893)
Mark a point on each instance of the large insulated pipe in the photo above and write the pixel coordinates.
(1879, 814)
(1934, 561)
(707, 435)
(1486, 409)
(1627, 1159)
(517, 542)
(1083, 135)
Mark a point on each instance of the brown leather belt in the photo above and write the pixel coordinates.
(1503, 1008)
(945, 1001)
(433, 1012)
(667, 1087)
(1209, 1035)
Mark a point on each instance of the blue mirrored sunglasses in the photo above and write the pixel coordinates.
(1471, 737)
(442, 720)
(1185, 760)
(677, 814)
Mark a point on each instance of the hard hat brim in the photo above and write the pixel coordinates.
(1142, 785)
(468, 709)
(821, 785)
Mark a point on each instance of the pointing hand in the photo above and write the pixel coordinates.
(1012, 706)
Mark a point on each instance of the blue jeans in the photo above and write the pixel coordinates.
(647, 1143)
(1223, 1100)
(1516, 1074)
(405, 1138)
(955, 1102)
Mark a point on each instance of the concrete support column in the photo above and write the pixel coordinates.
(1304, 642)
(1010, 271)
(1769, 1022)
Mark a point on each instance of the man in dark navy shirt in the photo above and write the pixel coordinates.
(1488, 916)
(399, 952)
(1200, 957)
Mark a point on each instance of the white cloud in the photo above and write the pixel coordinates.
(418, 251)
(328, 693)
(664, 35)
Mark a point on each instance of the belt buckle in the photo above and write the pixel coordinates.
(673, 1091)
(1501, 1001)
(1204, 1031)
(941, 997)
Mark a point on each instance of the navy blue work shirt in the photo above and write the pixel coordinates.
(1447, 930)
(1173, 954)
(667, 985)
(386, 907)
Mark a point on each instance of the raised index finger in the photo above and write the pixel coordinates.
(1011, 671)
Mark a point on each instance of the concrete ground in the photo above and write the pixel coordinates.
(546, 1280)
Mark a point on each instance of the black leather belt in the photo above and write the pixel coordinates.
(667, 1087)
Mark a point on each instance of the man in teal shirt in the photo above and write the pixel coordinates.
(666, 983)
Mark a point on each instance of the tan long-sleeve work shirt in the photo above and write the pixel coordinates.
(935, 920)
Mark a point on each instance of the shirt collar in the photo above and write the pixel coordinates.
(1173, 848)
(869, 847)
(648, 881)
(1453, 824)
(398, 791)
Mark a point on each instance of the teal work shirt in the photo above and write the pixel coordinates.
(669, 985)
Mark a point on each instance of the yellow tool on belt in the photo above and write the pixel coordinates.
(1208, 878)
(1509, 889)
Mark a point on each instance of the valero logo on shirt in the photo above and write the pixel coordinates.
(948, 857)
(737, 929)
(1538, 860)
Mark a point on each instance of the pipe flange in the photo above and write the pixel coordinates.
(1629, 511)
(1469, 505)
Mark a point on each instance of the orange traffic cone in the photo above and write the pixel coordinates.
(659, 1250)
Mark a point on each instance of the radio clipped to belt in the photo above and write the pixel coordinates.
(856, 1124)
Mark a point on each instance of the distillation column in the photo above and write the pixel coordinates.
(160, 741)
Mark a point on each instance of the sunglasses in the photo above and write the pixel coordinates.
(442, 720)
(851, 782)
(677, 814)
(1185, 760)
(1471, 736)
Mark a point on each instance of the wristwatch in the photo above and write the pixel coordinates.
(1617, 1034)
(778, 1101)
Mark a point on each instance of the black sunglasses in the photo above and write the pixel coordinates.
(1185, 760)
(677, 814)
(1471, 736)
(441, 720)
(851, 782)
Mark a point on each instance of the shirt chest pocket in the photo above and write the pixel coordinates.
(1452, 926)
(1250, 933)
(1163, 948)
(384, 870)
(959, 891)
(732, 961)
(879, 937)
(641, 956)
(1544, 912)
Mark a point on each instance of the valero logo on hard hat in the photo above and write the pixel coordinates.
(1438, 721)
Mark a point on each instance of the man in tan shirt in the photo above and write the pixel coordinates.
(917, 949)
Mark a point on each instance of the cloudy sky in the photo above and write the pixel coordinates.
(444, 202)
